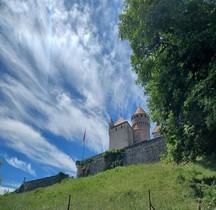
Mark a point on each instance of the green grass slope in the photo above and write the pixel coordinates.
(172, 187)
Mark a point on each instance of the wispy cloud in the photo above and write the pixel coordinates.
(27, 141)
(11, 184)
(15, 162)
(62, 69)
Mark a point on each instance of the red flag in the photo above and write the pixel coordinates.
(84, 136)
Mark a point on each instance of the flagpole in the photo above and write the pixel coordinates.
(83, 149)
(84, 138)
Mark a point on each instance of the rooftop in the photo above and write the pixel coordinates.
(140, 110)
(120, 121)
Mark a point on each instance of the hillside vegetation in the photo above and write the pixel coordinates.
(172, 187)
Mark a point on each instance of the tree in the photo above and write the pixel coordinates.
(174, 45)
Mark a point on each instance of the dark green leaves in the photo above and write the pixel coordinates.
(174, 45)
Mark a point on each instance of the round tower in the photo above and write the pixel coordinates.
(137, 134)
(140, 119)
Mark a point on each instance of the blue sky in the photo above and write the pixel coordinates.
(62, 69)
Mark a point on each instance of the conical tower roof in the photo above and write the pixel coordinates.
(140, 110)
(120, 121)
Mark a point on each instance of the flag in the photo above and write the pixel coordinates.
(84, 136)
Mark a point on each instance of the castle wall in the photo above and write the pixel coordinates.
(142, 152)
(44, 182)
(90, 166)
(120, 136)
(145, 152)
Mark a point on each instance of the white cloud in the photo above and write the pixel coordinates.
(15, 162)
(27, 141)
(4, 190)
(66, 70)
(11, 184)
(6, 187)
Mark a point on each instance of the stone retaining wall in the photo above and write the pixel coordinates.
(90, 166)
(44, 182)
(142, 152)
(145, 152)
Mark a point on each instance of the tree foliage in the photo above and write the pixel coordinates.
(174, 45)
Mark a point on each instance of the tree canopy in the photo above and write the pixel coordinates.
(174, 56)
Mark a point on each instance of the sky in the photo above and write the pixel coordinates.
(63, 70)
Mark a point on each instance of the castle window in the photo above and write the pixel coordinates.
(121, 126)
(141, 115)
(116, 129)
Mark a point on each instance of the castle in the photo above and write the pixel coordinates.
(128, 145)
(122, 134)
(132, 141)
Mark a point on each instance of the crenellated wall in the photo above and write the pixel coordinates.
(142, 152)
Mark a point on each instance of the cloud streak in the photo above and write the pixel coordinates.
(62, 69)
(27, 141)
(4, 190)
(15, 162)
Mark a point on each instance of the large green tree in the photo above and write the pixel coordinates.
(174, 55)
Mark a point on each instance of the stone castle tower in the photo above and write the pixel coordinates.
(122, 134)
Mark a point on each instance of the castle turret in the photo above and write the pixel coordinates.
(111, 124)
(120, 135)
(137, 134)
(140, 119)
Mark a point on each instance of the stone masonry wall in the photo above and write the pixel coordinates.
(90, 166)
(145, 152)
(44, 182)
(121, 136)
(142, 152)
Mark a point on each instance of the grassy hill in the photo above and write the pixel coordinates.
(172, 187)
